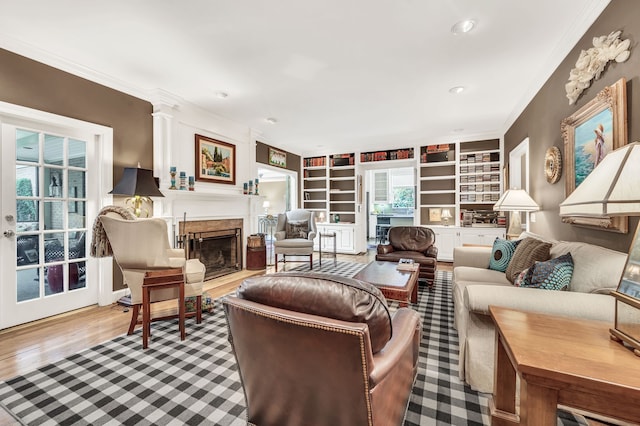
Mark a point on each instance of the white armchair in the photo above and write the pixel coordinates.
(142, 245)
(294, 235)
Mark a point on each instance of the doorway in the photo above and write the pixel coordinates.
(46, 181)
(279, 189)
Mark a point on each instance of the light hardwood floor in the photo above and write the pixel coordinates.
(29, 346)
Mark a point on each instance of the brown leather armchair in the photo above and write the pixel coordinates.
(321, 349)
(412, 242)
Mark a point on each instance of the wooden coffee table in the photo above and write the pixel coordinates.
(401, 286)
(560, 360)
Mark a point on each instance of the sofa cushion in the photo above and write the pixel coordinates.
(596, 269)
(529, 251)
(324, 295)
(554, 274)
(297, 229)
(501, 254)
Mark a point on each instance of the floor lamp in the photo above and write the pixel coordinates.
(515, 201)
(613, 189)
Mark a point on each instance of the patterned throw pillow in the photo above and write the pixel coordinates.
(502, 253)
(554, 274)
(523, 279)
(297, 229)
(529, 251)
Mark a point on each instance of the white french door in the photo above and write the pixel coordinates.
(47, 174)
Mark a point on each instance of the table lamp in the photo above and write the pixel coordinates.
(613, 189)
(265, 206)
(446, 215)
(515, 201)
(139, 185)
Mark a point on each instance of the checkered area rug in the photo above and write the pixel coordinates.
(195, 381)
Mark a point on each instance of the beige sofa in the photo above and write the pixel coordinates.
(597, 271)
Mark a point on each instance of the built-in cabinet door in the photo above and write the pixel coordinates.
(446, 240)
(345, 238)
(480, 236)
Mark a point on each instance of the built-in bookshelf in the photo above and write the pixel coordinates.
(437, 184)
(342, 188)
(387, 155)
(480, 175)
(314, 188)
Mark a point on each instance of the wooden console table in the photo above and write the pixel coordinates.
(560, 360)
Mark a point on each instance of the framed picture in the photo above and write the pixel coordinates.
(435, 214)
(277, 158)
(596, 129)
(215, 161)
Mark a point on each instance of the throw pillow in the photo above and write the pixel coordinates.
(297, 229)
(554, 274)
(522, 280)
(502, 253)
(528, 252)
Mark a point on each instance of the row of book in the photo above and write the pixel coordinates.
(314, 162)
(481, 178)
(480, 188)
(395, 154)
(485, 157)
(479, 198)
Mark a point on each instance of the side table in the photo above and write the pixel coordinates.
(334, 254)
(560, 360)
(157, 280)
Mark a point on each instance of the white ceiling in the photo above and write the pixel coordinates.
(338, 75)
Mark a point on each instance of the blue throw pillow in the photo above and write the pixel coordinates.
(554, 274)
(502, 253)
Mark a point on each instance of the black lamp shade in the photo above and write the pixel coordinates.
(137, 181)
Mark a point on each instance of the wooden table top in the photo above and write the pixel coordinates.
(573, 352)
(384, 274)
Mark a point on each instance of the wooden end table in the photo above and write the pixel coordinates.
(157, 280)
(560, 360)
(401, 286)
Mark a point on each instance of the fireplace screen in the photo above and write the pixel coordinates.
(219, 251)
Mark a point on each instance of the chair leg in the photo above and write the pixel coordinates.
(199, 309)
(311, 261)
(276, 262)
(134, 318)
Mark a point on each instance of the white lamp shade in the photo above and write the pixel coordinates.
(266, 204)
(611, 189)
(516, 200)
(446, 214)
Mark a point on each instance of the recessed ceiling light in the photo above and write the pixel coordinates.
(463, 27)
(456, 90)
(458, 130)
(222, 95)
(271, 120)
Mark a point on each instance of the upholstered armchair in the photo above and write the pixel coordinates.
(412, 242)
(321, 349)
(142, 245)
(294, 235)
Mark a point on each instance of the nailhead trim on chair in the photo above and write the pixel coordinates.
(325, 328)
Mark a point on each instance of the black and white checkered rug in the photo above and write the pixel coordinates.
(195, 381)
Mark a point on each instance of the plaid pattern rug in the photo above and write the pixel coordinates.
(195, 381)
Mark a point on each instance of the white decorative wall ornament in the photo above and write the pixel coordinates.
(592, 62)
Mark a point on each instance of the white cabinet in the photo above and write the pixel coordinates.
(345, 237)
(446, 238)
(449, 237)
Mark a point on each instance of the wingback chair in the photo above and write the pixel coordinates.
(142, 245)
(321, 349)
(412, 242)
(294, 235)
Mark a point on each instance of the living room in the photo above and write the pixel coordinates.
(157, 132)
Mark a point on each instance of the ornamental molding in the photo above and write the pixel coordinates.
(592, 62)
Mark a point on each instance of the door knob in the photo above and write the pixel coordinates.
(9, 233)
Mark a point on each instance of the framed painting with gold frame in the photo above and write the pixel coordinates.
(596, 129)
(215, 160)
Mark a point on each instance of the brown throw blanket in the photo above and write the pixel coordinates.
(100, 246)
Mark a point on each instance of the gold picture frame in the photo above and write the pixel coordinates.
(215, 161)
(596, 129)
(277, 158)
(435, 214)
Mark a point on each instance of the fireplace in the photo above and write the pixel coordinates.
(216, 243)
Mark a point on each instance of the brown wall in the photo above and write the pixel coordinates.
(541, 120)
(293, 160)
(31, 84)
